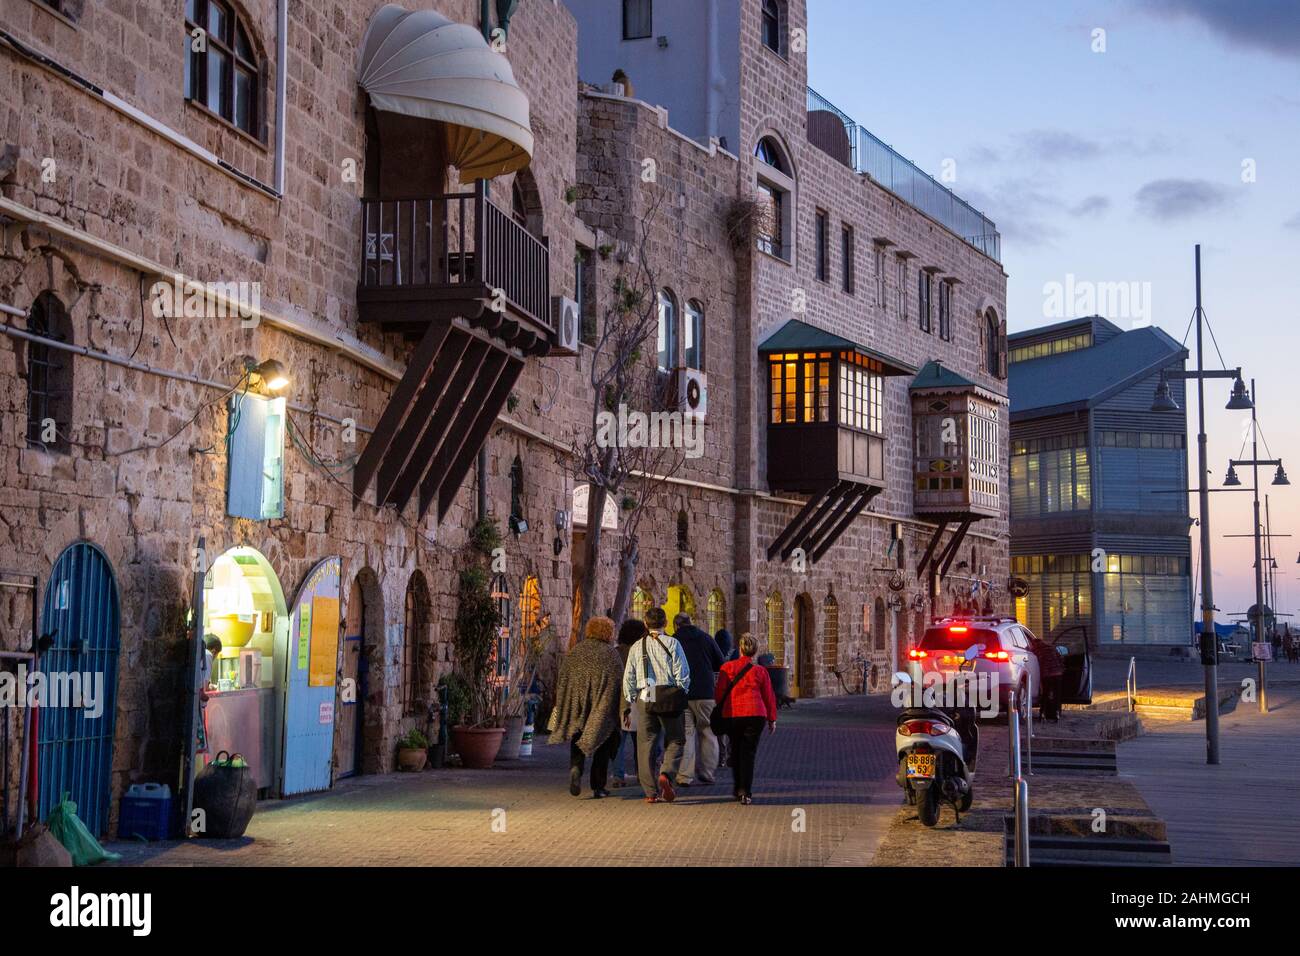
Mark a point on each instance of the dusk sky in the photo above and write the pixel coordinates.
(1110, 166)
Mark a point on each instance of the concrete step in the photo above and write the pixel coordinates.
(1074, 761)
(1090, 851)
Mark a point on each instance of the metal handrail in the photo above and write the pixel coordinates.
(1021, 793)
(1131, 684)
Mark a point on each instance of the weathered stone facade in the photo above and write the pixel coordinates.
(126, 204)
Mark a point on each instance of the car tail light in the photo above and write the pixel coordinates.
(997, 655)
(931, 728)
(958, 629)
(916, 654)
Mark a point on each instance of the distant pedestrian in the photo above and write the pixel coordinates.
(656, 682)
(1051, 673)
(587, 705)
(726, 644)
(744, 692)
(700, 759)
(629, 632)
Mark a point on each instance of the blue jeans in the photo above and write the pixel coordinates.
(626, 743)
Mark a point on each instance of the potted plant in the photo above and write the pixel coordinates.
(412, 751)
(478, 739)
(523, 671)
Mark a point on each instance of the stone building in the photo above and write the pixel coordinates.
(269, 168)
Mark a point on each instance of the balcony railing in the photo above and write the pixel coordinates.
(454, 242)
(835, 133)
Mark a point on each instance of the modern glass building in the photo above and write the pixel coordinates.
(1099, 524)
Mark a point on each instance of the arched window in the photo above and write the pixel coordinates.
(693, 335)
(641, 602)
(776, 628)
(417, 648)
(680, 601)
(994, 347)
(878, 624)
(717, 611)
(772, 25)
(775, 186)
(530, 610)
(667, 340)
(831, 630)
(224, 74)
(49, 376)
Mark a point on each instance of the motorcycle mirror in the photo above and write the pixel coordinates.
(974, 651)
(901, 678)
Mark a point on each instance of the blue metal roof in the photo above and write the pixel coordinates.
(1084, 377)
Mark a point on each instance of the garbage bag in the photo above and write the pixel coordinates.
(80, 843)
(227, 794)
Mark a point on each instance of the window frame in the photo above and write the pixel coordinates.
(849, 255)
(925, 300)
(771, 35)
(667, 330)
(197, 68)
(649, 20)
(775, 178)
(945, 310)
(821, 245)
(693, 326)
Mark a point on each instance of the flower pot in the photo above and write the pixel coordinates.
(514, 737)
(477, 746)
(411, 760)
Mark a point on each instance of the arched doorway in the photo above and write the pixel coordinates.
(805, 647)
(717, 611)
(776, 628)
(244, 608)
(641, 602)
(309, 697)
(82, 613)
(362, 636)
(417, 648)
(680, 601)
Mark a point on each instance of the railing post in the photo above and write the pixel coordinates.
(480, 232)
(1013, 734)
(1022, 823)
(1029, 728)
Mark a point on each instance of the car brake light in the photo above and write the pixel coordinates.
(916, 654)
(956, 629)
(997, 655)
(931, 728)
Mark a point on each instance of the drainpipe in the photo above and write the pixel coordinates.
(281, 87)
(485, 24)
(485, 19)
(714, 82)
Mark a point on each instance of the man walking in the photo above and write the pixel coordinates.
(655, 683)
(700, 759)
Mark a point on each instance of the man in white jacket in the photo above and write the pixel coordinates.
(655, 664)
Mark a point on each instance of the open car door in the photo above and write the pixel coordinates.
(1076, 684)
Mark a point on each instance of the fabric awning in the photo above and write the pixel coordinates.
(422, 64)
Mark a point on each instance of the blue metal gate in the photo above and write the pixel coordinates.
(75, 744)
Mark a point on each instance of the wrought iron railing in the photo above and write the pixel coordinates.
(457, 239)
(829, 128)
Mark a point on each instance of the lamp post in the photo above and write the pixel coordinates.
(1279, 478)
(1163, 403)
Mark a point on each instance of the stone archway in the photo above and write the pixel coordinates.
(805, 647)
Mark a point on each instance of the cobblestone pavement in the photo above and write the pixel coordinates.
(831, 759)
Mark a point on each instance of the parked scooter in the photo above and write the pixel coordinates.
(937, 748)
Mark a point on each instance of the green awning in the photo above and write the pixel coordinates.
(795, 336)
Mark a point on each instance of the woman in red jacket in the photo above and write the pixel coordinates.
(744, 692)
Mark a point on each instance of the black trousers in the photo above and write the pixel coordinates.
(744, 735)
(1050, 705)
(599, 760)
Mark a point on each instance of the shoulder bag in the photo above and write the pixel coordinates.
(670, 700)
(717, 723)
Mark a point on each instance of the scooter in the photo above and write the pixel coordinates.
(937, 749)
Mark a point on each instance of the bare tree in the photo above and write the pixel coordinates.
(624, 372)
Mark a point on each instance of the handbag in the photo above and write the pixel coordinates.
(717, 723)
(670, 700)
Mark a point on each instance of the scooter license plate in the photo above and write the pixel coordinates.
(920, 765)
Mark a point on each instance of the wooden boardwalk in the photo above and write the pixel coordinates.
(1243, 812)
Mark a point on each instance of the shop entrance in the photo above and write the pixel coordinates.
(313, 662)
(350, 702)
(680, 600)
(75, 753)
(244, 608)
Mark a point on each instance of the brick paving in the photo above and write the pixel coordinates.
(830, 758)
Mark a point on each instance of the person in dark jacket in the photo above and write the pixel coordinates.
(749, 705)
(700, 760)
(587, 698)
(1051, 671)
(726, 644)
(629, 632)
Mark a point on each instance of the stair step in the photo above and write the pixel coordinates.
(1083, 851)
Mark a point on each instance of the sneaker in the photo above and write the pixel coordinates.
(651, 799)
(618, 782)
(575, 781)
(746, 799)
(597, 794)
(666, 791)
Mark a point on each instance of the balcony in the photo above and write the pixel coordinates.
(836, 134)
(449, 256)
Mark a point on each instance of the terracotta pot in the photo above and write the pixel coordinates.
(411, 759)
(477, 746)
(514, 737)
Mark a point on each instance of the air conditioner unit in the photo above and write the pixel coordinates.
(568, 326)
(692, 391)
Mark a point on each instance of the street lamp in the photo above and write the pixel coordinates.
(1279, 478)
(1162, 403)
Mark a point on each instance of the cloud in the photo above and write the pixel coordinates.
(1293, 222)
(1170, 199)
(1270, 25)
(1057, 145)
(1091, 206)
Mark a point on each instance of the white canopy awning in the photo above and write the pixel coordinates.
(422, 64)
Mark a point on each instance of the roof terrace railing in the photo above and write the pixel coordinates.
(835, 133)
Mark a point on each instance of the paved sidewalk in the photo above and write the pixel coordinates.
(1239, 813)
(829, 766)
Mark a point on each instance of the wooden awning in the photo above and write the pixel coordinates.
(437, 418)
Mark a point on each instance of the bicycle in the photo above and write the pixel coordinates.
(863, 667)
